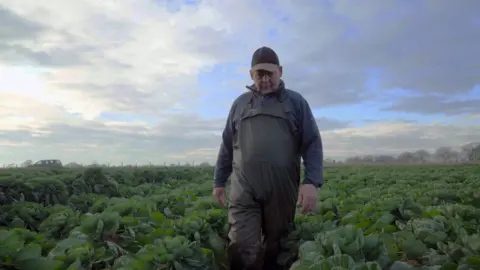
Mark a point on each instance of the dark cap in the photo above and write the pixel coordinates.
(266, 59)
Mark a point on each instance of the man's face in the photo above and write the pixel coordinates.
(266, 81)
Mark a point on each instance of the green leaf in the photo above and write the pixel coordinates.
(38, 264)
(30, 252)
(398, 265)
(17, 223)
(99, 229)
(414, 248)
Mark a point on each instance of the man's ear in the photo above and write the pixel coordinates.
(251, 74)
(280, 71)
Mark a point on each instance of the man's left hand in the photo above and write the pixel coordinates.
(307, 197)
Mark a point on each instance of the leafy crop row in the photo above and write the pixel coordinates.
(164, 218)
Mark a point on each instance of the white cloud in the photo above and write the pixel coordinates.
(86, 141)
(128, 55)
(64, 64)
(392, 138)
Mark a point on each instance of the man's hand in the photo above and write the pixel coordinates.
(307, 197)
(219, 195)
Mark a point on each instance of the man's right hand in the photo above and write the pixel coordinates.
(220, 196)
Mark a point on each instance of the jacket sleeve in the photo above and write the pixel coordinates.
(311, 146)
(223, 167)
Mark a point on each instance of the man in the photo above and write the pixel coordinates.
(269, 129)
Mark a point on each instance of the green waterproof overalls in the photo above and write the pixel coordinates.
(264, 183)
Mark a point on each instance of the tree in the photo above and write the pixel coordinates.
(370, 159)
(328, 161)
(422, 155)
(406, 157)
(445, 154)
(354, 160)
(476, 153)
(384, 159)
(73, 165)
(205, 164)
(455, 156)
(27, 163)
(471, 151)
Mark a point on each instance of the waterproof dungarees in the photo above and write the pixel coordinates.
(264, 183)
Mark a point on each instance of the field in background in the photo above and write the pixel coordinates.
(367, 217)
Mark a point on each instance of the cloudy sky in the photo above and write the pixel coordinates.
(152, 80)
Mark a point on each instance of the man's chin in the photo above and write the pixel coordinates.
(267, 90)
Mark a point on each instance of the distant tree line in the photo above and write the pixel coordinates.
(467, 153)
(30, 162)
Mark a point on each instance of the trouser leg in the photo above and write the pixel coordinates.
(278, 217)
(245, 220)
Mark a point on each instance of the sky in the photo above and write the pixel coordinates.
(152, 81)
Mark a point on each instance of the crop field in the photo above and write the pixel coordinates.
(397, 217)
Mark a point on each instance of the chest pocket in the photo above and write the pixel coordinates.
(291, 116)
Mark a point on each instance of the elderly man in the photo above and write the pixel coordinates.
(268, 130)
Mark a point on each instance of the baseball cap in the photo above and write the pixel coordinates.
(265, 58)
